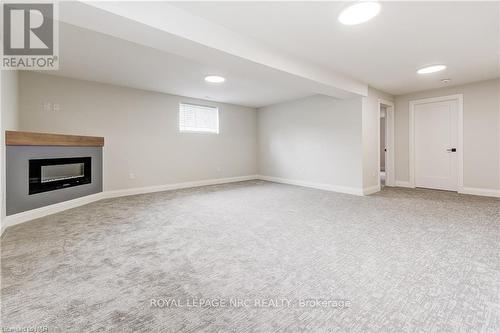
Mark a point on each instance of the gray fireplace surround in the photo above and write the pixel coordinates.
(18, 198)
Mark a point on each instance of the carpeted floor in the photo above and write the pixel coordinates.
(258, 257)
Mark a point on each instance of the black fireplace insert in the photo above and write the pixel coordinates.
(56, 173)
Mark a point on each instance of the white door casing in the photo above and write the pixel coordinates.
(436, 153)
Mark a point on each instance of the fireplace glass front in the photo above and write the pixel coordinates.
(56, 173)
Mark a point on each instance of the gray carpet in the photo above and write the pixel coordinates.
(397, 261)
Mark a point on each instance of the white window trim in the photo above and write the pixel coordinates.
(196, 130)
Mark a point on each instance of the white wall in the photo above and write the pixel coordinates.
(8, 121)
(141, 131)
(371, 148)
(481, 132)
(314, 140)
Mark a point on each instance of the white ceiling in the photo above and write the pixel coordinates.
(89, 55)
(276, 51)
(155, 46)
(384, 52)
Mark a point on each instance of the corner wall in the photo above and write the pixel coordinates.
(314, 141)
(371, 135)
(8, 121)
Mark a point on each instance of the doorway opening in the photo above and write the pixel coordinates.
(386, 143)
(383, 139)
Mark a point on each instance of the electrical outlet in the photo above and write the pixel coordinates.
(131, 175)
(56, 107)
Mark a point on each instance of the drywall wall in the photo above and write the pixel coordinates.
(143, 146)
(8, 121)
(371, 148)
(313, 140)
(481, 132)
(10, 116)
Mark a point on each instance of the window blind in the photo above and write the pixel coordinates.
(198, 118)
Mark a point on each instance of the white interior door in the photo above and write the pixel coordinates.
(436, 142)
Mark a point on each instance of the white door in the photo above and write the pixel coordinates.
(436, 142)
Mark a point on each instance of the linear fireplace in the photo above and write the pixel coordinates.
(56, 173)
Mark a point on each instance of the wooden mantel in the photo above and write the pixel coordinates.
(16, 138)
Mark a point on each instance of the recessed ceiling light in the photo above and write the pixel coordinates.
(214, 79)
(446, 80)
(431, 69)
(359, 12)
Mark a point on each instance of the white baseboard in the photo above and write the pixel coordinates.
(480, 191)
(59, 207)
(3, 228)
(371, 190)
(177, 186)
(51, 209)
(401, 183)
(464, 190)
(319, 186)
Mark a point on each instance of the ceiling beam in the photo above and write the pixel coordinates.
(170, 29)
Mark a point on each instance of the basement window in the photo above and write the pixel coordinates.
(198, 119)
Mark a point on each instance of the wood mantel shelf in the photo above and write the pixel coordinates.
(16, 138)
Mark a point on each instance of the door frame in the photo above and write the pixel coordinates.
(460, 102)
(390, 171)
